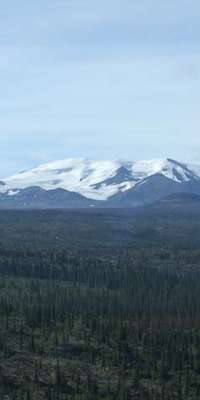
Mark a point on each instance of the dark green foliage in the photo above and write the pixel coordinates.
(116, 325)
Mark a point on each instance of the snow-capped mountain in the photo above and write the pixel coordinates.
(83, 182)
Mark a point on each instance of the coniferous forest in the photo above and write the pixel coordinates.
(99, 305)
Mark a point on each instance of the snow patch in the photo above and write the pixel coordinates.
(98, 179)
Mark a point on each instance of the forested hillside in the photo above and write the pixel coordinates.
(98, 306)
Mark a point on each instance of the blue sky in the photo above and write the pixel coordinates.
(100, 79)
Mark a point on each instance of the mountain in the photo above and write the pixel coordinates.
(36, 197)
(183, 198)
(177, 207)
(77, 183)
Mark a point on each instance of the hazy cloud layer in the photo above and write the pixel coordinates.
(109, 79)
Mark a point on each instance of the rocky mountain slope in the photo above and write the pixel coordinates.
(77, 183)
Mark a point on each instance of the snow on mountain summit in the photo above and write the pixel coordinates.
(97, 180)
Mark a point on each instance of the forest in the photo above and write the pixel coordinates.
(99, 305)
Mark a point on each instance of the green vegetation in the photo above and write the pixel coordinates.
(121, 323)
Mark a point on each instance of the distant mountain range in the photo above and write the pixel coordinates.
(83, 183)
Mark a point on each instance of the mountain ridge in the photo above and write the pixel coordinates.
(85, 183)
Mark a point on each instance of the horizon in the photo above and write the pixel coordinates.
(100, 200)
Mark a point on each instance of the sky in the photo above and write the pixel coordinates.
(109, 79)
